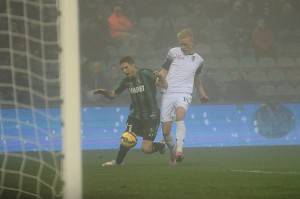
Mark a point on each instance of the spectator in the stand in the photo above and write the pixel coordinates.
(287, 16)
(268, 13)
(216, 9)
(237, 18)
(94, 38)
(238, 15)
(165, 32)
(262, 41)
(90, 71)
(120, 25)
(252, 12)
(3, 7)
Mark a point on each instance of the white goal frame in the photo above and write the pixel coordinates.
(70, 92)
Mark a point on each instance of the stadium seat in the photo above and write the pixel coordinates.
(266, 90)
(293, 74)
(217, 36)
(248, 62)
(127, 50)
(148, 23)
(221, 76)
(219, 22)
(236, 75)
(177, 10)
(285, 89)
(112, 51)
(182, 22)
(286, 61)
(298, 62)
(204, 49)
(229, 62)
(283, 35)
(293, 49)
(212, 63)
(221, 49)
(199, 22)
(266, 62)
(255, 76)
(275, 75)
(297, 90)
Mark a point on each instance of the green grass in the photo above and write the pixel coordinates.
(205, 173)
(210, 173)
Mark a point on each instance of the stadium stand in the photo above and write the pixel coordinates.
(156, 28)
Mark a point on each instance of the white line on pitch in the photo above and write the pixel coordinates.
(266, 172)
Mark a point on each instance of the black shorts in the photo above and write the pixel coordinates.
(146, 128)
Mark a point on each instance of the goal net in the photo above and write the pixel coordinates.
(31, 147)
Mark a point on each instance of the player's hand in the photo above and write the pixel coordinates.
(204, 99)
(103, 92)
(156, 73)
(160, 80)
(100, 92)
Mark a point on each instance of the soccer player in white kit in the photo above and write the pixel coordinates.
(182, 70)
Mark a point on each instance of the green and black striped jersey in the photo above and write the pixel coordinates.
(142, 91)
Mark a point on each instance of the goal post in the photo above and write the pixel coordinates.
(40, 123)
(70, 92)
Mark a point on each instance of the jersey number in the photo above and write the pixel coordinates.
(187, 100)
(129, 127)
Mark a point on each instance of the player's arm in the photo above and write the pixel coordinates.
(200, 89)
(199, 86)
(106, 93)
(111, 94)
(160, 77)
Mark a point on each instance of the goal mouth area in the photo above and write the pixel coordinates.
(28, 176)
(30, 100)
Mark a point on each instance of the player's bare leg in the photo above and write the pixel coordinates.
(180, 133)
(166, 127)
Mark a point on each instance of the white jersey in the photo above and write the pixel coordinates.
(181, 70)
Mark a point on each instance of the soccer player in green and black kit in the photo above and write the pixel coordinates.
(143, 119)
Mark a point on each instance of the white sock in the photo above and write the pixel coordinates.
(180, 135)
(169, 141)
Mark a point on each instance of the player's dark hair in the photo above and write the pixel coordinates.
(127, 59)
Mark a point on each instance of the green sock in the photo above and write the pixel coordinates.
(121, 154)
(157, 146)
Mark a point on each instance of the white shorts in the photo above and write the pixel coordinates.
(169, 103)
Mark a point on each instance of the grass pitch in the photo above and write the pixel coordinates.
(209, 173)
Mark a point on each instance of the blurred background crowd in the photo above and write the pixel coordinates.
(29, 53)
(251, 48)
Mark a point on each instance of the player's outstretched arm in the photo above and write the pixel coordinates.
(161, 78)
(200, 89)
(106, 93)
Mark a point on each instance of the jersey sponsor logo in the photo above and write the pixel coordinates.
(179, 56)
(138, 89)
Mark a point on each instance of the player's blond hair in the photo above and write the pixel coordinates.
(187, 32)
